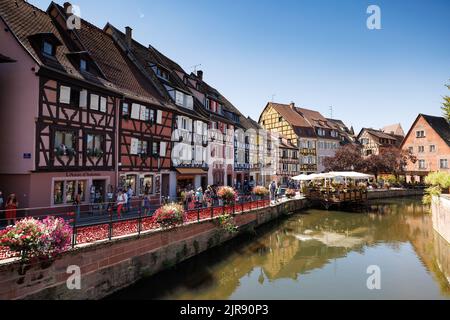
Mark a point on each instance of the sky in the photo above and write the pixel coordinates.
(315, 53)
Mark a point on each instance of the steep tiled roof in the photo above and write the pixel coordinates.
(144, 57)
(440, 125)
(316, 119)
(290, 115)
(395, 129)
(27, 21)
(382, 135)
(115, 65)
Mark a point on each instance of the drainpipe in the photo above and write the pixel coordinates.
(117, 142)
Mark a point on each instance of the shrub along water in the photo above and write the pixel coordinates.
(438, 182)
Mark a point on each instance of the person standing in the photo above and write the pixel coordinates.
(121, 201)
(77, 203)
(129, 197)
(146, 205)
(273, 190)
(11, 209)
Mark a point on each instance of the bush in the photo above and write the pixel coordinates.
(35, 239)
(170, 215)
(441, 179)
(438, 182)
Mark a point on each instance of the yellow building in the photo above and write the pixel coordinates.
(288, 122)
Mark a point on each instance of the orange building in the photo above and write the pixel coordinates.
(429, 140)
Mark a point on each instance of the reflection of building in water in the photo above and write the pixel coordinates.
(432, 249)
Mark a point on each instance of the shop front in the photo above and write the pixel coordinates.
(45, 190)
(191, 179)
(142, 184)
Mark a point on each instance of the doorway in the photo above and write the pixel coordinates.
(98, 191)
(165, 190)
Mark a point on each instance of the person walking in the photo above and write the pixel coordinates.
(77, 203)
(129, 197)
(146, 205)
(199, 198)
(121, 201)
(273, 190)
(11, 209)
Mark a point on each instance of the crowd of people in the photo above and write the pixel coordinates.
(123, 199)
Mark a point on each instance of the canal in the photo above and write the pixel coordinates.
(317, 255)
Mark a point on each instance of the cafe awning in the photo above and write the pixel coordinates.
(191, 171)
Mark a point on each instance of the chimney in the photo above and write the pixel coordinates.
(200, 75)
(292, 105)
(68, 8)
(129, 36)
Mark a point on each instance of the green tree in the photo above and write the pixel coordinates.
(446, 106)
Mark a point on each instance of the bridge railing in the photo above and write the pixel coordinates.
(105, 224)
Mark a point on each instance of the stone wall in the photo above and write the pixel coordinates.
(441, 216)
(109, 266)
(384, 194)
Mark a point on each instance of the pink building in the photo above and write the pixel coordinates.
(58, 117)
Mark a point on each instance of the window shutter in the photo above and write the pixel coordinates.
(162, 149)
(135, 111)
(83, 99)
(64, 94)
(94, 102)
(179, 98)
(159, 117)
(142, 113)
(103, 104)
(189, 102)
(134, 146)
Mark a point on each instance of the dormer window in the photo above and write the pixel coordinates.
(160, 72)
(48, 49)
(83, 65)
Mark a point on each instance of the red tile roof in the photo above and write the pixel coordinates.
(27, 21)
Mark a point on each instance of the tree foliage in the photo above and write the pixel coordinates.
(390, 160)
(446, 106)
(347, 158)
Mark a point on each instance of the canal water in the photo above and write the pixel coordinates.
(318, 255)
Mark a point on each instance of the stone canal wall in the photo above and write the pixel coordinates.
(109, 266)
(384, 194)
(441, 216)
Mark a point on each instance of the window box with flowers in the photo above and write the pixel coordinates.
(64, 151)
(96, 153)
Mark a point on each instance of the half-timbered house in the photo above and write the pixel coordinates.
(189, 125)
(144, 121)
(58, 114)
(287, 121)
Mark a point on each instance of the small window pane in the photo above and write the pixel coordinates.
(48, 48)
(58, 188)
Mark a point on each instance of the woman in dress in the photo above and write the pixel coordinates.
(11, 209)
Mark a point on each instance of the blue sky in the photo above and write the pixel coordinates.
(316, 53)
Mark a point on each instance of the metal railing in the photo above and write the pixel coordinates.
(104, 223)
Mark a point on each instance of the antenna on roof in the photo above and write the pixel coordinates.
(331, 112)
(273, 97)
(195, 67)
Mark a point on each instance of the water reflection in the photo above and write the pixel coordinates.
(318, 254)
